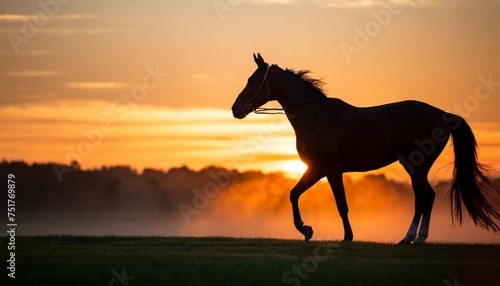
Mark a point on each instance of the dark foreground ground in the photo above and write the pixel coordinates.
(76, 260)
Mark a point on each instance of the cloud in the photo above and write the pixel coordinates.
(31, 53)
(348, 4)
(40, 21)
(283, 2)
(70, 31)
(34, 17)
(96, 85)
(280, 1)
(352, 4)
(33, 73)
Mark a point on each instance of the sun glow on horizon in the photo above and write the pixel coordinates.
(293, 168)
(163, 137)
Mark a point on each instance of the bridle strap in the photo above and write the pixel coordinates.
(263, 110)
(261, 84)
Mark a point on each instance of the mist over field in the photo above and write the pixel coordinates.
(59, 199)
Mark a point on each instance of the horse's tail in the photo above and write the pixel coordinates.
(469, 184)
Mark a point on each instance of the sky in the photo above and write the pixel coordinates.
(151, 83)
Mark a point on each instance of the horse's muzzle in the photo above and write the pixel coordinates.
(239, 114)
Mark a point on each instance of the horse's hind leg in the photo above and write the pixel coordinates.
(412, 232)
(424, 194)
(427, 200)
(337, 186)
(424, 200)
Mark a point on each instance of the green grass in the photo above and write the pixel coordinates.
(77, 260)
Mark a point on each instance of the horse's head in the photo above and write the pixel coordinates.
(256, 92)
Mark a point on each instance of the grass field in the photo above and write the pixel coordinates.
(77, 260)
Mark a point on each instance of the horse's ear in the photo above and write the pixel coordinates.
(259, 60)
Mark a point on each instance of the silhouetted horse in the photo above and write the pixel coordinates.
(334, 137)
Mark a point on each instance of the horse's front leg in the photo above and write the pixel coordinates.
(308, 179)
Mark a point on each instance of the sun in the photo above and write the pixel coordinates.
(294, 168)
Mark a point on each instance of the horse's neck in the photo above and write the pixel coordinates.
(305, 117)
(291, 93)
(299, 100)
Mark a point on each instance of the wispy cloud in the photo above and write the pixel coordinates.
(22, 17)
(384, 3)
(96, 85)
(280, 1)
(68, 31)
(33, 73)
(14, 18)
(347, 4)
(31, 53)
(284, 2)
(351, 4)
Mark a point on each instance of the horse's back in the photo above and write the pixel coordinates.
(366, 138)
(415, 120)
(412, 112)
(410, 115)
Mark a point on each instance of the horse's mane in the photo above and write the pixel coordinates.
(302, 75)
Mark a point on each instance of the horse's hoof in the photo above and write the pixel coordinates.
(308, 232)
(405, 242)
(348, 237)
(419, 240)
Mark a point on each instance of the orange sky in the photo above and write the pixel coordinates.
(150, 84)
